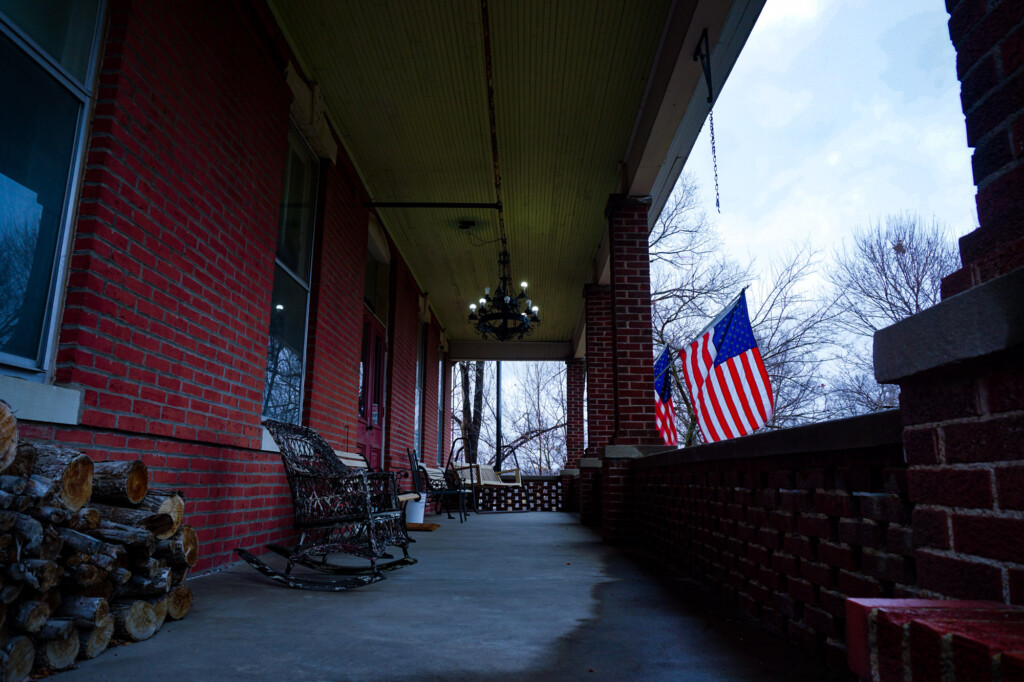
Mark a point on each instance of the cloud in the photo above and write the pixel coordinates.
(788, 12)
(777, 107)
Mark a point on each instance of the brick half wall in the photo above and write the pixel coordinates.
(786, 525)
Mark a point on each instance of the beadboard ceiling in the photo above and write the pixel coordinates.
(405, 86)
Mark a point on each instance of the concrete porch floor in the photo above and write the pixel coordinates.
(502, 596)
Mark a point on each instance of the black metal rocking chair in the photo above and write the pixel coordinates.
(337, 509)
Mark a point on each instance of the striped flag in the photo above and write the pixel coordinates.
(725, 377)
(664, 413)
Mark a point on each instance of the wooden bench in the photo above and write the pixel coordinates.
(477, 477)
(355, 460)
(338, 508)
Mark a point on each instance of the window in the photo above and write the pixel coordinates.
(48, 56)
(289, 307)
(421, 379)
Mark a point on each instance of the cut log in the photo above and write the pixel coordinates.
(159, 524)
(95, 641)
(24, 462)
(53, 599)
(58, 654)
(120, 576)
(51, 515)
(70, 469)
(8, 593)
(141, 586)
(55, 628)
(42, 489)
(134, 619)
(87, 612)
(81, 542)
(51, 545)
(30, 530)
(103, 589)
(166, 502)
(8, 435)
(87, 574)
(39, 574)
(30, 615)
(9, 500)
(181, 548)
(137, 538)
(7, 520)
(178, 574)
(86, 518)
(179, 601)
(149, 568)
(3, 616)
(159, 605)
(17, 658)
(119, 482)
(15, 485)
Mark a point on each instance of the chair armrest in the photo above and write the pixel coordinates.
(515, 472)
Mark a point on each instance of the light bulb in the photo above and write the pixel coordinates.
(535, 309)
(487, 291)
(279, 306)
(529, 304)
(483, 301)
(507, 299)
(472, 306)
(522, 284)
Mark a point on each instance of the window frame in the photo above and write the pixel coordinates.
(278, 263)
(41, 368)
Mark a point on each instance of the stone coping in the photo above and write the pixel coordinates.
(865, 431)
(983, 320)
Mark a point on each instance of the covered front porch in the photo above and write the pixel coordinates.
(530, 596)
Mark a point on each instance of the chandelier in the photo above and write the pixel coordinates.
(505, 315)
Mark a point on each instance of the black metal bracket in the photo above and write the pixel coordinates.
(703, 54)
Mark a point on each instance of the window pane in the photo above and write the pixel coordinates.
(38, 122)
(282, 392)
(63, 28)
(364, 367)
(421, 347)
(297, 210)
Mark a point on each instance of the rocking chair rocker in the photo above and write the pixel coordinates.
(337, 509)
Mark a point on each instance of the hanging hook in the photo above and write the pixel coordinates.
(703, 54)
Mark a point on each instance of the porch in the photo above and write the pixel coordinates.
(531, 596)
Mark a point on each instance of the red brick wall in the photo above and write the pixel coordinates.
(432, 377)
(783, 538)
(575, 379)
(963, 434)
(631, 323)
(600, 371)
(989, 41)
(168, 297)
(335, 319)
(403, 331)
(167, 310)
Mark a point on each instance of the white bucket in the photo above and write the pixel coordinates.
(414, 510)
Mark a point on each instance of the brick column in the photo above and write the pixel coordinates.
(989, 42)
(600, 374)
(959, 364)
(575, 376)
(631, 322)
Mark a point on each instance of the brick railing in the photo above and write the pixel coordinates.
(786, 525)
(538, 493)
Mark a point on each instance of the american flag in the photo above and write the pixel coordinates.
(664, 413)
(725, 377)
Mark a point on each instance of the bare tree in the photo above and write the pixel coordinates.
(18, 236)
(691, 281)
(892, 270)
(538, 417)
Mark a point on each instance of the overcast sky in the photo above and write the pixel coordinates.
(836, 113)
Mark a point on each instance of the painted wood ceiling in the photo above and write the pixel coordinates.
(405, 86)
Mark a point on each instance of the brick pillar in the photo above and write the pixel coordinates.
(989, 41)
(959, 364)
(631, 322)
(575, 376)
(600, 374)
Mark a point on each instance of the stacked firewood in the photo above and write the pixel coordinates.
(89, 554)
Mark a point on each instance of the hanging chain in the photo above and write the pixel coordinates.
(714, 156)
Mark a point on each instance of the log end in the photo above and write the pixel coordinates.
(137, 483)
(21, 654)
(77, 483)
(179, 601)
(8, 435)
